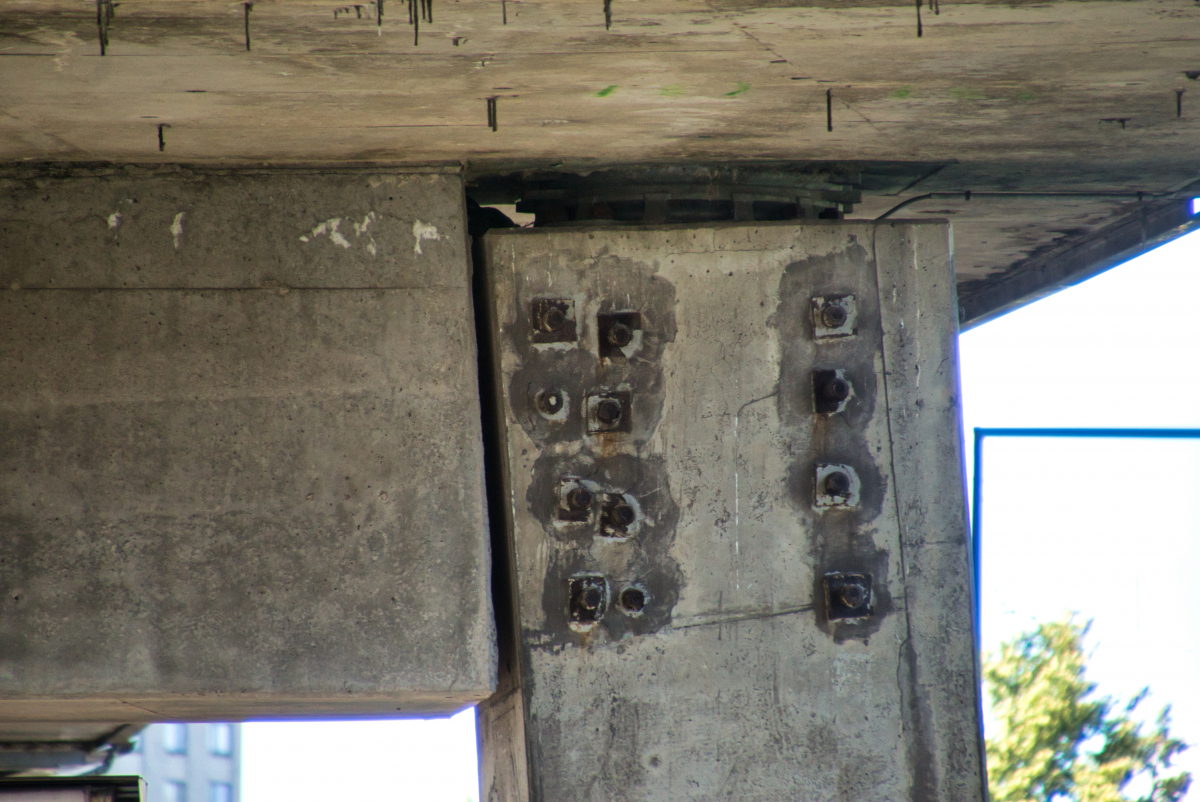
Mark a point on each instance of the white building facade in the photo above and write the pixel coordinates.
(186, 762)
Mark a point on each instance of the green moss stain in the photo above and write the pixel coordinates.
(606, 91)
(741, 87)
(966, 93)
(673, 90)
(903, 92)
(1027, 96)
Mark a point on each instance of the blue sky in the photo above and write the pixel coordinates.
(1108, 530)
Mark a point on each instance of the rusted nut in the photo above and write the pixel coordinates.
(834, 316)
(852, 595)
(550, 402)
(837, 484)
(633, 600)
(591, 598)
(620, 335)
(622, 514)
(587, 601)
(553, 320)
(579, 499)
(848, 596)
(836, 390)
(608, 412)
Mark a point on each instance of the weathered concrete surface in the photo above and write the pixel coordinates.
(733, 682)
(240, 454)
(1012, 96)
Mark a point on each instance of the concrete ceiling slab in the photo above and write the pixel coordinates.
(1021, 96)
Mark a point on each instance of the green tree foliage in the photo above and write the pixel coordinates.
(1056, 741)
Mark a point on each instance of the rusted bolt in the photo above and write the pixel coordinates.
(608, 412)
(579, 498)
(587, 600)
(591, 598)
(553, 320)
(852, 595)
(616, 331)
(622, 514)
(834, 316)
(550, 402)
(837, 484)
(835, 389)
(620, 335)
(848, 596)
(633, 600)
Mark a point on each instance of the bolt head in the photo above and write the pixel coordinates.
(633, 599)
(834, 316)
(836, 390)
(608, 412)
(852, 595)
(620, 335)
(622, 514)
(837, 484)
(550, 402)
(553, 320)
(579, 498)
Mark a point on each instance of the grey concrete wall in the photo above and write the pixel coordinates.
(240, 453)
(736, 680)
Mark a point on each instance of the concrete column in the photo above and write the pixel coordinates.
(738, 557)
(240, 452)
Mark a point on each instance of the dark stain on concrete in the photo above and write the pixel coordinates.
(842, 539)
(613, 463)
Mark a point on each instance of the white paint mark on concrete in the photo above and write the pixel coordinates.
(361, 228)
(114, 220)
(423, 231)
(336, 238)
(330, 228)
(177, 229)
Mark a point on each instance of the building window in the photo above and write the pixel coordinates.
(220, 792)
(220, 739)
(174, 738)
(175, 792)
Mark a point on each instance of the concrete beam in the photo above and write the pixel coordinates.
(240, 452)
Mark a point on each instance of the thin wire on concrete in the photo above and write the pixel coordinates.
(969, 194)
